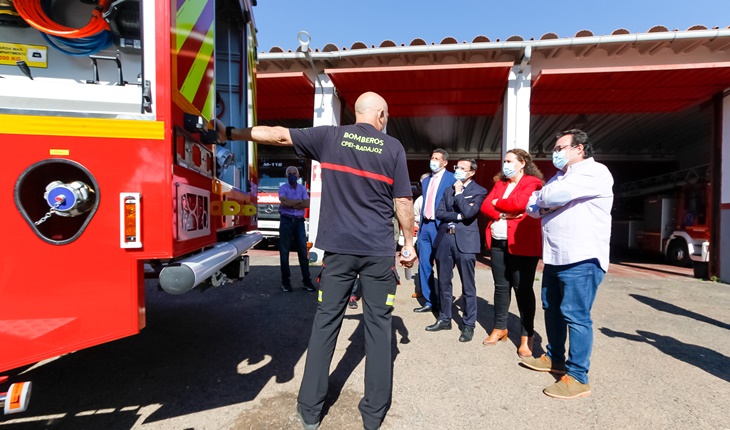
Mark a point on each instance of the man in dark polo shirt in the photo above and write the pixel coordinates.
(363, 171)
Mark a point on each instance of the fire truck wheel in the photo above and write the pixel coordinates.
(677, 253)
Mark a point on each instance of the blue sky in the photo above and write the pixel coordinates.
(344, 22)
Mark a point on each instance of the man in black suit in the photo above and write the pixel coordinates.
(457, 243)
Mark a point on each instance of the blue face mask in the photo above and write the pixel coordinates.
(460, 175)
(435, 166)
(508, 170)
(559, 159)
(291, 178)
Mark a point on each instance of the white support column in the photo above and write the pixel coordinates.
(516, 119)
(724, 249)
(326, 112)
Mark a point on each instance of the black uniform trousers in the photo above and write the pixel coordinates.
(378, 285)
(448, 255)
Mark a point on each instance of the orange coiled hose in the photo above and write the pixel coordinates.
(32, 12)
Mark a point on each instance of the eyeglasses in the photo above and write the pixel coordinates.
(560, 148)
(461, 168)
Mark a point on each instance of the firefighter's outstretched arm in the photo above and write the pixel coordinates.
(278, 136)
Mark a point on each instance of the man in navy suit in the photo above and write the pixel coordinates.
(457, 243)
(433, 190)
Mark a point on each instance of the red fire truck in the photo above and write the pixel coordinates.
(107, 113)
(668, 215)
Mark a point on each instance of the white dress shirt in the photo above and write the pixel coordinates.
(417, 205)
(579, 226)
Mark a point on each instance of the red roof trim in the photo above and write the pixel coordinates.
(284, 96)
(429, 90)
(658, 88)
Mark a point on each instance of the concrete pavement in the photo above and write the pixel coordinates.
(232, 358)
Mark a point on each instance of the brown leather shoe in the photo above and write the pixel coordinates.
(543, 364)
(495, 337)
(525, 349)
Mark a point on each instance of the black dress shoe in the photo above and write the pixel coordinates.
(424, 308)
(466, 334)
(439, 325)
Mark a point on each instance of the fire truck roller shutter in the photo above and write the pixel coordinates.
(185, 275)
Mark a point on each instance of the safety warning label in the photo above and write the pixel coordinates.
(33, 55)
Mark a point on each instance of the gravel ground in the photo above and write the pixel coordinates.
(232, 358)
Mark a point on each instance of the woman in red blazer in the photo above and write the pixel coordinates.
(515, 241)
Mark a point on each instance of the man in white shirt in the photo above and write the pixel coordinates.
(418, 203)
(433, 189)
(575, 208)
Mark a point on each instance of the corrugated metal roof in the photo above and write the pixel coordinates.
(606, 93)
(331, 47)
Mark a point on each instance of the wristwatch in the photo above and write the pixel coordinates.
(502, 215)
(229, 129)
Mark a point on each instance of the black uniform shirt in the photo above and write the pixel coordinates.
(363, 170)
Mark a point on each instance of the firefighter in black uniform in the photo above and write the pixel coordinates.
(363, 171)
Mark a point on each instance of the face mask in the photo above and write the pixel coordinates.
(560, 160)
(292, 179)
(435, 166)
(385, 128)
(508, 170)
(460, 175)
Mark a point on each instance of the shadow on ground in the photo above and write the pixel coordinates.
(199, 351)
(703, 358)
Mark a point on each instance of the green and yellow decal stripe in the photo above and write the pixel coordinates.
(193, 53)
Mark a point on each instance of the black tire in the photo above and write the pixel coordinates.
(678, 254)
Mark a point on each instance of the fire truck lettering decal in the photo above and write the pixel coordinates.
(273, 198)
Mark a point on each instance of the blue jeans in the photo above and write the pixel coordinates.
(568, 293)
(291, 232)
(426, 253)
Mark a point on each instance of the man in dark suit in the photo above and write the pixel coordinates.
(433, 190)
(457, 244)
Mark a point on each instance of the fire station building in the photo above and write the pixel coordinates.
(655, 105)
